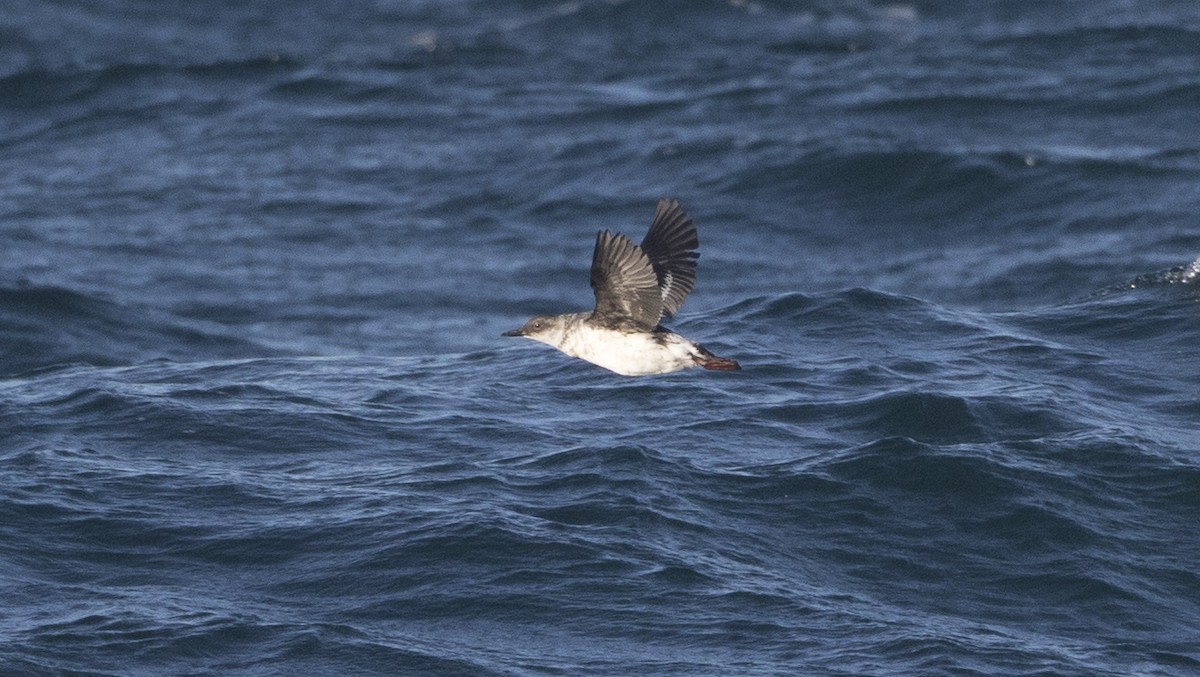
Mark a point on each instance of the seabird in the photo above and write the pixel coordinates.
(635, 286)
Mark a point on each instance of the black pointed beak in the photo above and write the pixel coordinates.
(514, 332)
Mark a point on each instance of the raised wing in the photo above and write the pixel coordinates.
(671, 245)
(625, 284)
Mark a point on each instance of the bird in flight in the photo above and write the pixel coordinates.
(635, 286)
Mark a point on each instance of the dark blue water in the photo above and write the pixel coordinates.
(256, 417)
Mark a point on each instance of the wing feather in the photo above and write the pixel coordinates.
(671, 245)
(625, 284)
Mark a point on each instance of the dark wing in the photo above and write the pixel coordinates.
(625, 284)
(671, 245)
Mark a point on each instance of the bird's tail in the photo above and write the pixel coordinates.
(707, 360)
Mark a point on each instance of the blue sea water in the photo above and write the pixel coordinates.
(256, 417)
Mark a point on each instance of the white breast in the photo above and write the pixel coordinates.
(629, 354)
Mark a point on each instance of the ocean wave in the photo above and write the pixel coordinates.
(44, 326)
(371, 485)
(999, 101)
(936, 184)
(943, 455)
(39, 88)
(1149, 39)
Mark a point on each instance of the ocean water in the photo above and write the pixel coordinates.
(256, 417)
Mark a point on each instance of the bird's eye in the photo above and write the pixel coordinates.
(537, 324)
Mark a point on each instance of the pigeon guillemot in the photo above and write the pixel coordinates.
(635, 286)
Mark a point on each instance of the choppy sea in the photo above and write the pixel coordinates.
(256, 416)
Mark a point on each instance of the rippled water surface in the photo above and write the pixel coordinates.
(256, 416)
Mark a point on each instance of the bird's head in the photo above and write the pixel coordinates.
(547, 329)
